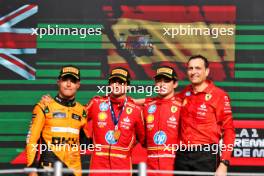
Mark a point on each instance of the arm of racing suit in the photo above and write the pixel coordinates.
(88, 128)
(37, 123)
(225, 120)
(140, 129)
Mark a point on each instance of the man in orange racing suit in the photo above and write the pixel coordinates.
(161, 116)
(55, 127)
(117, 122)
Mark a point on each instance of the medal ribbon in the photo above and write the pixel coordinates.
(114, 119)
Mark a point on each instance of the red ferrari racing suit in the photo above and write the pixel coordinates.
(116, 141)
(206, 117)
(162, 122)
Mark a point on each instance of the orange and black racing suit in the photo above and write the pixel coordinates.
(54, 134)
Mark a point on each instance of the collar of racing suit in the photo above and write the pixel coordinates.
(162, 100)
(119, 102)
(65, 102)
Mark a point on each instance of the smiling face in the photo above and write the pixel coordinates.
(197, 72)
(68, 87)
(118, 87)
(166, 86)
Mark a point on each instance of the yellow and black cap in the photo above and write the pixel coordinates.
(70, 70)
(121, 73)
(166, 71)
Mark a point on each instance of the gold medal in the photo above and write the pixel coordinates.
(117, 134)
(174, 109)
(208, 97)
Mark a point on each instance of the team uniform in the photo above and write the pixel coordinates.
(116, 136)
(56, 126)
(162, 124)
(205, 117)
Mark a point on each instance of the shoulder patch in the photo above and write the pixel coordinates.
(84, 114)
(46, 110)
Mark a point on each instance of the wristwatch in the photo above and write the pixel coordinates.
(225, 162)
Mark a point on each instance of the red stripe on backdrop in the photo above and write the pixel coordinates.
(247, 161)
(249, 124)
(217, 73)
(24, 67)
(15, 40)
(180, 14)
(17, 14)
(220, 14)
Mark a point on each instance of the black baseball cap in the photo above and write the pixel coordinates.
(121, 73)
(70, 70)
(166, 71)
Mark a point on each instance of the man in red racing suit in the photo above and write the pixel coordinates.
(117, 123)
(206, 117)
(161, 116)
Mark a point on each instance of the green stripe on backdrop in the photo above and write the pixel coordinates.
(246, 95)
(249, 65)
(13, 138)
(249, 47)
(69, 45)
(248, 116)
(7, 154)
(70, 63)
(249, 74)
(16, 116)
(250, 38)
(14, 128)
(249, 27)
(55, 72)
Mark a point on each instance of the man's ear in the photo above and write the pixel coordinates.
(78, 84)
(207, 71)
(175, 84)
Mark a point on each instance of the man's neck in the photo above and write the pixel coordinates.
(66, 98)
(199, 87)
(66, 101)
(118, 97)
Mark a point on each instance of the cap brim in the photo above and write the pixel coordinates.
(118, 76)
(165, 75)
(70, 74)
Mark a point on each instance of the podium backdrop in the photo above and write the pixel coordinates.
(139, 35)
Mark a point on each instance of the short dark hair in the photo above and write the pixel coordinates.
(206, 62)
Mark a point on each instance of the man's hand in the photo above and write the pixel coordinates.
(33, 174)
(46, 99)
(221, 170)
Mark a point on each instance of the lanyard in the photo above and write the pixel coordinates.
(114, 119)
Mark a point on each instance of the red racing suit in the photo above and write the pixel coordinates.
(115, 153)
(162, 124)
(206, 117)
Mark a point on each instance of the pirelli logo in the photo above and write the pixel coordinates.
(71, 70)
(165, 70)
(119, 71)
